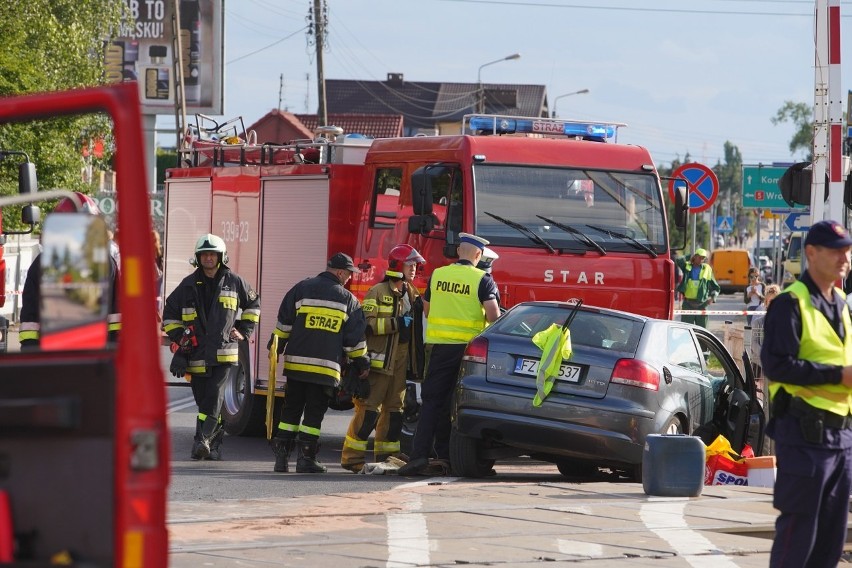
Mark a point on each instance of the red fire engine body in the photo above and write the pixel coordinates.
(574, 217)
(83, 432)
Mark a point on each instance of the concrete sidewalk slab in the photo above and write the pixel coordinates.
(447, 522)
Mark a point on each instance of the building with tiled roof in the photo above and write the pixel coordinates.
(370, 125)
(432, 107)
(395, 107)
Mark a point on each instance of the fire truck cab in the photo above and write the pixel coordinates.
(571, 213)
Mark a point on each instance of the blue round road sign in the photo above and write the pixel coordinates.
(702, 186)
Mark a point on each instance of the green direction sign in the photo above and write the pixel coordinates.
(760, 188)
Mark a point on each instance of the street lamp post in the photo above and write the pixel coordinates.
(480, 92)
(580, 92)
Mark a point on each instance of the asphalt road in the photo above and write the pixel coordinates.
(246, 470)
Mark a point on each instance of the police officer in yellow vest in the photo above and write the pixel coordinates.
(698, 287)
(807, 357)
(459, 302)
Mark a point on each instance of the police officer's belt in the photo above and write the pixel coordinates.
(801, 409)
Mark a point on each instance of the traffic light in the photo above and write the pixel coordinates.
(795, 185)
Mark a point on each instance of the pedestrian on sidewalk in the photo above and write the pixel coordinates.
(807, 357)
(754, 293)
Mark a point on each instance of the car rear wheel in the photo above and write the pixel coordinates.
(673, 427)
(571, 468)
(465, 456)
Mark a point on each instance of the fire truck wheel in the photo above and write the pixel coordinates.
(244, 413)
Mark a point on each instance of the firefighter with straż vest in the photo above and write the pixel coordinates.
(30, 319)
(207, 315)
(459, 302)
(807, 357)
(319, 323)
(388, 310)
(698, 287)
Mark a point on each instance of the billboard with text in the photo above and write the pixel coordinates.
(144, 51)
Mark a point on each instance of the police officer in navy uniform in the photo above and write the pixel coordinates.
(459, 302)
(807, 357)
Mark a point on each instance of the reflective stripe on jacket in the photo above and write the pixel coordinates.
(319, 322)
(382, 305)
(212, 329)
(455, 313)
(820, 343)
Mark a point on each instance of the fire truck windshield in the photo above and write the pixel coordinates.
(619, 211)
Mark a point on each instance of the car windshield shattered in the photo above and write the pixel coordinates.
(569, 209)
(591, 328)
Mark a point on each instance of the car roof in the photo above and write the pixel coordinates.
(587, 308)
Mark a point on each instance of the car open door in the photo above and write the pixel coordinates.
(738, 414)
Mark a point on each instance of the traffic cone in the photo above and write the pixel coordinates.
(7, 539)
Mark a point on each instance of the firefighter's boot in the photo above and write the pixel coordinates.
(307, 462)
(282, 448)
(201, 447)
(198, 452)
(216, 443)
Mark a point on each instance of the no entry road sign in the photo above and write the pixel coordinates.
(702, 186)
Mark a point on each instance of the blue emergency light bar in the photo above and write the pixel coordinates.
(517, 125)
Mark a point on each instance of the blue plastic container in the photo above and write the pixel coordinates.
(673, 465)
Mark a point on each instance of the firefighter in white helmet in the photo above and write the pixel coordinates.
(388, 307)
(207, 316)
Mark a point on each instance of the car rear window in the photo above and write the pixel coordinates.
(588, 328)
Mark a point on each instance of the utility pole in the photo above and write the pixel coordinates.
(280, 90)
(319, 32)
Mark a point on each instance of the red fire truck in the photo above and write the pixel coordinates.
(570, 212)
(84, 444)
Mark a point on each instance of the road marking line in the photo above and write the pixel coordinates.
(408, 535)
(180, 404)
(665, 519)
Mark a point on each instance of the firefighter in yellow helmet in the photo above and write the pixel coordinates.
(388, 309)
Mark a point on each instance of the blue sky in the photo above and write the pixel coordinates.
(684, 75)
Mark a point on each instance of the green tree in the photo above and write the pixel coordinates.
(801, 115)
(51, 45)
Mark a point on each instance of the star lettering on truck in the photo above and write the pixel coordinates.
(565, 277)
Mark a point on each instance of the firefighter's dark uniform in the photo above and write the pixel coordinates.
(808, 339)
(319, 322)
(389, 346)
(210, 308)
(30, 318)
(456, 314)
